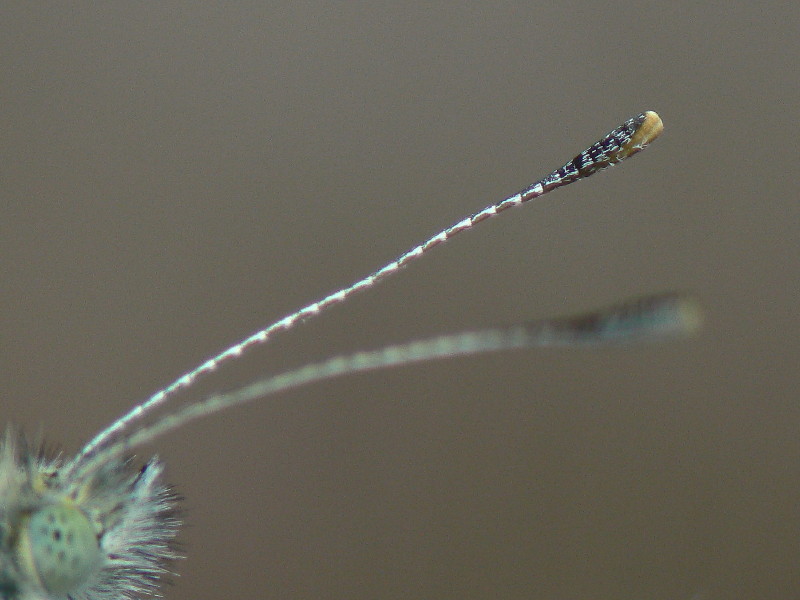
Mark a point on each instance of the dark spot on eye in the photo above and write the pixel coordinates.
(8, 589)
(56, 534)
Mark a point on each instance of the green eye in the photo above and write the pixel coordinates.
(59, 546)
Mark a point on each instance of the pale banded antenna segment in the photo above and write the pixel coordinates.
(624, 141)
(647, 319)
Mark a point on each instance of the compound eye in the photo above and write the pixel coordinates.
(59, 546)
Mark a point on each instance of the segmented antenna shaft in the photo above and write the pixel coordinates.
(624, 141)
(645, 319)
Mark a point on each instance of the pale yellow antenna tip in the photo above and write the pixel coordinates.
(648, 129)
(651, 127)
(690, 314)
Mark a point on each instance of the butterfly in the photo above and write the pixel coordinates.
(96, 527)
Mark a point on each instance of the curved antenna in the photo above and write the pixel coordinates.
(651, 318)
(624, 141)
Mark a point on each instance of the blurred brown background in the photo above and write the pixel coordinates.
(176, 175)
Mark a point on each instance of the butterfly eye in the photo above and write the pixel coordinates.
(59, 547)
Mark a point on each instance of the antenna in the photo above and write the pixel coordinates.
(645, 319)
(624, 141)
